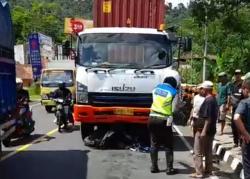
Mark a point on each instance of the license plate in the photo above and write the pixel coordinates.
(128, 112)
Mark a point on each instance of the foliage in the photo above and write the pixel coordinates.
(228, 27)
(46, 16)
(227, 21)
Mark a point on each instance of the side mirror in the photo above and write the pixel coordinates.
(187, 44)
(77, 59)
(175, 65)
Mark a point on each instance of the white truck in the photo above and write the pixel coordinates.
(117, 69)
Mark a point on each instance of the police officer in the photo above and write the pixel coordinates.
(160, 123)
(242, 122)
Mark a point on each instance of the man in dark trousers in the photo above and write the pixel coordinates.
(242, 121)
(222, 97)
(160, 123)
(235, 98)
(208, 112)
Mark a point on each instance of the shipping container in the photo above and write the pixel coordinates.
(129, 13)
(7, 62)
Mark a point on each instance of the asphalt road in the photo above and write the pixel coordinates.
(48, 154)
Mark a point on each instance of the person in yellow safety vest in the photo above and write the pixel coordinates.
(160, 123)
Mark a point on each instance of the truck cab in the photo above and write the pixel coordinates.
(50, 79)
(117, 69)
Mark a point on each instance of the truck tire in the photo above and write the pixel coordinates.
(0, 149)
(86, 130)
(6, 142)
(48, 109)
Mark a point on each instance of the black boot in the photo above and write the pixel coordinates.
(169, 160)
(154, 159)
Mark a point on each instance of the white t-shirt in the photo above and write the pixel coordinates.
(198, 101)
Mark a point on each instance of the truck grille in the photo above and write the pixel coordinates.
(120, 99)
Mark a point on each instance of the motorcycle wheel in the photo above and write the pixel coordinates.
(6, 142)
(48, 109)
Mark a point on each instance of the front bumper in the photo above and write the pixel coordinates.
(92, 114)
(47, 102)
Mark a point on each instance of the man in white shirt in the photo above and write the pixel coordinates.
(197, 102)
(196, 123)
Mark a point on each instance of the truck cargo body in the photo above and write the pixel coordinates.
(7, 70)
(7, 63)
(129, 13)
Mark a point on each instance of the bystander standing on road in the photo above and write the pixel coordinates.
(160, 123)
(208, 113)
(242, 121)
(197, 102)
(235, 98)
(197, 125)
(223, 98)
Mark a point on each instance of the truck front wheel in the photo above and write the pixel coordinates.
(0, 149)
(86, 130)
(6, 142)
(48, 109)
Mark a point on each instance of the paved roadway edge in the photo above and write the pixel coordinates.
(222, 152)
(225, 155)
(25, 147)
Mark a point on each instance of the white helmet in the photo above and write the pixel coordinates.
(19, 81)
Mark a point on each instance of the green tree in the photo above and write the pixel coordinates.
(46, 16)
(41, 17)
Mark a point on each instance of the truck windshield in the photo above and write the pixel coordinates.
(124, 50)
(51, 78)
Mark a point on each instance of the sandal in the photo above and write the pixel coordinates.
(195, 175)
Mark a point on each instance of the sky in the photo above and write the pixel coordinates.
(176, 2)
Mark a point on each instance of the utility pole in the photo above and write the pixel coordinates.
(205, 47)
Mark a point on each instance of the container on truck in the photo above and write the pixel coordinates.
(120, 61)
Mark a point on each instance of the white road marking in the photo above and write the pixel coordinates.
(190, 148)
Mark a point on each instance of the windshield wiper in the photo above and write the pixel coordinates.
(146, 68)
(155, 66)
(124, 66)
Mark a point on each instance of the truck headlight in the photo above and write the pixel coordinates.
(82, 93)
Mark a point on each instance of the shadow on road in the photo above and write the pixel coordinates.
(70, 164)
(29, 139)
(178, 143)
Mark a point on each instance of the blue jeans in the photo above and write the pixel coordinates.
(246, 160)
